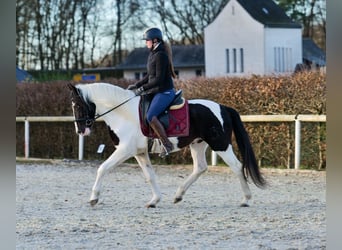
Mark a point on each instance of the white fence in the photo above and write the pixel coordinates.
(297, 119)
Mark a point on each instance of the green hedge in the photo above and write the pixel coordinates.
(303, 93)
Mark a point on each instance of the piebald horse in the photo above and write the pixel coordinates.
(210, 124)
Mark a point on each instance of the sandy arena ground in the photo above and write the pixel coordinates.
(53, 212)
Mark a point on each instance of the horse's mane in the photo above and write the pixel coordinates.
(104, 92)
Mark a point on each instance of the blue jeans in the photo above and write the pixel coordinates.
(159, 103)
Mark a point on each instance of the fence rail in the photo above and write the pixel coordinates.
(297, 119)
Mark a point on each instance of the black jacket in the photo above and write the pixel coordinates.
(158, 77)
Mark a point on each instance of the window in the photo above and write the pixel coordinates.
(289, 59)
(241, 61)
(234, 60)
(227, 60)
(282, 59)
(137, 75)
(275, 59)
(279, 59)
(238, 61)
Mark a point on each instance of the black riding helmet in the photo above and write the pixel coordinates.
(153, 33)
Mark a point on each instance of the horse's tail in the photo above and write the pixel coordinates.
(249, 162)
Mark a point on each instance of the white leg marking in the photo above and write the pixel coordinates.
(146, 166)
(200, 166)
(232, 161)
(119, 156)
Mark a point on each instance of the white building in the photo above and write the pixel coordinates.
(252, 37)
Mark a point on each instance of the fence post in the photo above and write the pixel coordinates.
(27, 138)
(297, 143)
(213, 158)
(80, 147)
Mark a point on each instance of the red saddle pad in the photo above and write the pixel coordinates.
(178, 123)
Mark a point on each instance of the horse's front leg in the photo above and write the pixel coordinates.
(120, 155)
(146, 166)
(200, 166)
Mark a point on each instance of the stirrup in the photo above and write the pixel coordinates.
(165, 152)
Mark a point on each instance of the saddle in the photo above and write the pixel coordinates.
(175, 118)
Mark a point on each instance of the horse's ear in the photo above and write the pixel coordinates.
(71, 87)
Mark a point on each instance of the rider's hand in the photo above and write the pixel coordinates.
(138, 91)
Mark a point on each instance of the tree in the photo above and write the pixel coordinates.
(85, 7)
(24, 17)
(188, 17)
(52, 34)
(125, 11)
(311, 14)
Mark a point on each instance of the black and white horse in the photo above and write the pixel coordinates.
(210, 124)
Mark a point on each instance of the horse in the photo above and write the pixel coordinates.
(211, 124)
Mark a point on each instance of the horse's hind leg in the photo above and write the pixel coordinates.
(146, 166)
(198, 148)
(232, 161)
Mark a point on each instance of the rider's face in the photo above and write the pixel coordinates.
(149, 44)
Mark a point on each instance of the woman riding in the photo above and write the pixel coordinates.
(158, 82)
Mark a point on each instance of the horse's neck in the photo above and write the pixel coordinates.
(107, 95)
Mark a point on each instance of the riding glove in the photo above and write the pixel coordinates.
(139, 91)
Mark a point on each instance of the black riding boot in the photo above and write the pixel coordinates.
(160, 132)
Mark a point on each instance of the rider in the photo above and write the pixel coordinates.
(158, 82)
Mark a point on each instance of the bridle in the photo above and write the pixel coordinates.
(90, 121)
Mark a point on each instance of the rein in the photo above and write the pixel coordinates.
(110, 110)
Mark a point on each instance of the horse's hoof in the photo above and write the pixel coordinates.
(244, 205)
(177, 199)
(93, 202)
(151, 205)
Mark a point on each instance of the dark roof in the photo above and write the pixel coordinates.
(137, 59)
(22, 75)
(312, 52)
(183, 56)
(268, 13)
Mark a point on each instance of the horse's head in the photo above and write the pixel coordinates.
(84, 111)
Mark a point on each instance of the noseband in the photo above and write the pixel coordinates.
(88, 121)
